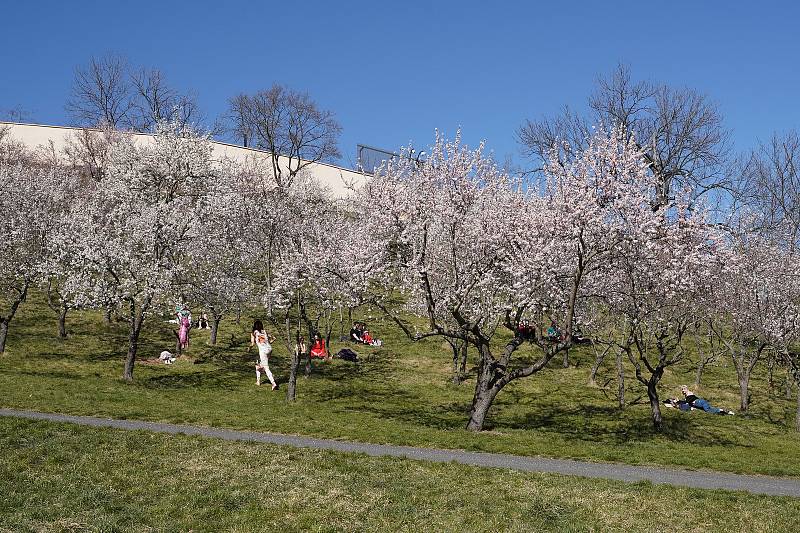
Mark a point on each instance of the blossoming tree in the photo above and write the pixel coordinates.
(132, 230)
(473, 251)
(31, 202)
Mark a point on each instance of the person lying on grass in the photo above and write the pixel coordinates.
(692, 401)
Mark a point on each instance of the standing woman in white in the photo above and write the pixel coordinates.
(263, 341)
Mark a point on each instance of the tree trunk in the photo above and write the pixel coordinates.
(328, 333)
(485, 392)
(620, 381)
(701, 357)
(459, 360)
(3, 334)
(598, 360)
(797, 416)
(136, 320)
(294, 364)
(701, 366)
(787, 392)
(214, 329)
(133, 346)
(745, 363)
(307, 370)
(310, 329)
(770, 377)
(593, 372)
(297, 355)
(655, 407)
(456, 356)
(59, 307)
(62, 322)
(5, 321)
(463, 370)
(744, 385)
(107, 315)
(565, 364)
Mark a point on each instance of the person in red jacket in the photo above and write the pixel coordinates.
(318, 348)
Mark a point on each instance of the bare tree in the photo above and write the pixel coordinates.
(236, 120)
(154, 102)
(680, 131)
(16, 114)
(565, 135)
(101, 93)
(289, 125)
(770, 185)
(109, 92)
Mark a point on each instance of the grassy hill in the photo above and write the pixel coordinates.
(400, 394)
(61, 477)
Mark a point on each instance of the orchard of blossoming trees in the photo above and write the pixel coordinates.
(594, 246)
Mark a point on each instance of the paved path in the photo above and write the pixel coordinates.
(774, 486)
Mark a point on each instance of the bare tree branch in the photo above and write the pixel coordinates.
(680, 131)
(101, 93)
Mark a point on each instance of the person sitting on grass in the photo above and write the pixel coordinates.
(318, 348)
(299, 346)
(355, 332)
(553, 332)
(367, 339)
(578, 338)
(525, 331)
(692, 401)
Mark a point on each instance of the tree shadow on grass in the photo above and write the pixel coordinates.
(367, 381)
(43, 373)
(228, 373)
(220, 379)
(405, 407)
(579, 421)
(609, 424)
(375, 370)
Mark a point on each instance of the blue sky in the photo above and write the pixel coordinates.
(393, 72)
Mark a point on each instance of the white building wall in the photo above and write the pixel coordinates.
(339, 180)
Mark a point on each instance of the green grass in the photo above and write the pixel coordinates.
(402, 395)
(60, 477)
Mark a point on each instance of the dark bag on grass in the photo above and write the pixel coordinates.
(348, 355)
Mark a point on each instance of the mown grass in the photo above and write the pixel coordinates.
(401, 395)
(60, 477)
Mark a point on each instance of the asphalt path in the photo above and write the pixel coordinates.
(755, 484)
